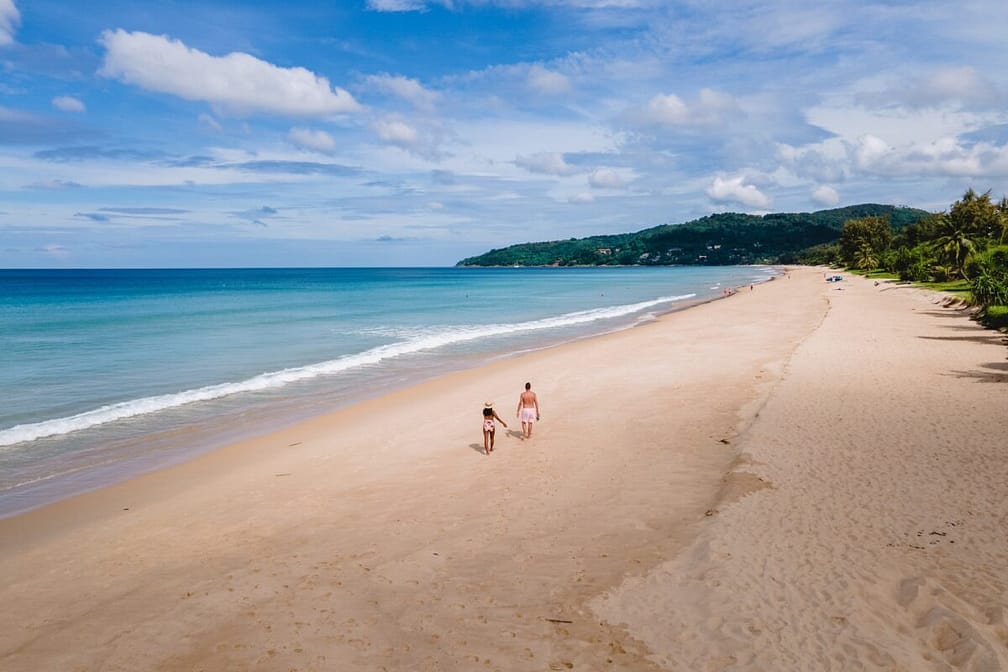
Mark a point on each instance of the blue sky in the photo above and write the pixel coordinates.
(417, 132)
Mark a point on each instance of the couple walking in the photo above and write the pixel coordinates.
(527, 412)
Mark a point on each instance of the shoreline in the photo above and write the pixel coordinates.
(232, 439)
(379, 535)
(132, 459)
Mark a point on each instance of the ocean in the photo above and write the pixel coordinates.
(109, 373)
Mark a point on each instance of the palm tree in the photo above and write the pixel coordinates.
(866, 258)
(954, 243)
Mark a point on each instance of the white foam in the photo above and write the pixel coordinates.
(277, 379)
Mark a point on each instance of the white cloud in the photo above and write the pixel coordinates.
(605, 178)
(901, 141)
(826, 195)
(547, 81)
(396, 133)
(667, 109)
(871, 151)
(734, 190)
(825, 162)
(9, 20)
(408, 89)
(956, 85)
(963, 84)
(947, 157)
(67, 104)
(318, 141)
(547, 163)
(583, 197)
(711, 107)
(237, 82)
(897, 125)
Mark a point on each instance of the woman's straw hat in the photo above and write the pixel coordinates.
(488, 404)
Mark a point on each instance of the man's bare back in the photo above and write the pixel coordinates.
(528, 410)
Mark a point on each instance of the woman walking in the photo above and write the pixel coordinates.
(489, 426)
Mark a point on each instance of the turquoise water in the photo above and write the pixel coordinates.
(106, 373)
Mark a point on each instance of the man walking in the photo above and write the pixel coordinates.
(528, 410)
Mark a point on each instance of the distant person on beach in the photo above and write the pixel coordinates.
(489, 426)
(528, 410)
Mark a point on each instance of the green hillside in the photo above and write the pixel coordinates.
(720, 239)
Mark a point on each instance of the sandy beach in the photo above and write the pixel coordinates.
(805, 476)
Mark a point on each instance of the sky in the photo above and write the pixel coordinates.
(418, 132)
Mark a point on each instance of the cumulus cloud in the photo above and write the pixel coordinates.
(547, 82)
(605, 178)
(546, 163)
(396, 132)
(735, 190)
(67, 104)
(237, 82)
(709, 108)
(9, 20)
(422, 141)
(871, 151)
(317, 141)
(826, 195)
(408, 89)
(947, 157)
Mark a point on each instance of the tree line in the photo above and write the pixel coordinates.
(965, 242)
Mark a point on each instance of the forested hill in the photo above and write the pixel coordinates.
(720, 239)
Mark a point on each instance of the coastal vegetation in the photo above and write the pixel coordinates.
(965, 246)
(719, 239)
